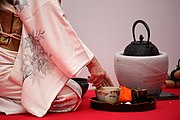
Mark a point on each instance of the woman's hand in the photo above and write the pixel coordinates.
(98, 76)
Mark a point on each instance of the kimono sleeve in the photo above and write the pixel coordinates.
(45, 19)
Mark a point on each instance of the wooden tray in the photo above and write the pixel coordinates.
(148, 104)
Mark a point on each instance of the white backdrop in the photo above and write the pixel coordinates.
(105, 26)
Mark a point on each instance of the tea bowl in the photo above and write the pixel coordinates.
(108, 94)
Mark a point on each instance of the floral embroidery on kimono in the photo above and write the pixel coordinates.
(38, 60)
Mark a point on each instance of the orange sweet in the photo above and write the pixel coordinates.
(125, 94)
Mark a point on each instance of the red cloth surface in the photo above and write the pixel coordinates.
(165, 110)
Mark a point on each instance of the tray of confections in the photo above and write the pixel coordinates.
(145, 105)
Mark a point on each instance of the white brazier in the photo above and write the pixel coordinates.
(147, 72)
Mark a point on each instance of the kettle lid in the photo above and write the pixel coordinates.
(141, 48)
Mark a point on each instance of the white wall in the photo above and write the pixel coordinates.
(105, 26)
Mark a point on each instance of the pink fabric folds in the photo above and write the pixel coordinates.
(49, 55)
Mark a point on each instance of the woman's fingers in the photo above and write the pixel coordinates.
(96, 80)
(100, 80)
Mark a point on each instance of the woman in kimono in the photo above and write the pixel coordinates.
(39, 54)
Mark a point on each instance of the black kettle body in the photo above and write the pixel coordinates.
(141, 48)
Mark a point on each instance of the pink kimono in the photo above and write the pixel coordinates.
(50, 54)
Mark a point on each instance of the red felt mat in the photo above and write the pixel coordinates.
(165, 110)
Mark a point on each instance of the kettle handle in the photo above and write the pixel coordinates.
(146, 26)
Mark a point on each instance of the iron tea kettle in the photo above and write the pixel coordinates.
(141, 48)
